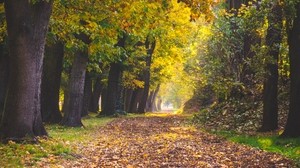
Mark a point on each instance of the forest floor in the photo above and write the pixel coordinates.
(161, 140)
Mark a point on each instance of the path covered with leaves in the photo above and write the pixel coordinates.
(163, 141)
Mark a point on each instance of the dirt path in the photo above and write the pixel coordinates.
(165, 142)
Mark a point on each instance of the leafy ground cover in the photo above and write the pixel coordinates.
(161, 141)
(154, 140)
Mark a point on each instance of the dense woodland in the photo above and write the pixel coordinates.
(60, 58)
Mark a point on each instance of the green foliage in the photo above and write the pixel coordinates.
(224, 60)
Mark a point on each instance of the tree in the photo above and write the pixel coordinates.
(27, 24)
(293, 124)
(51, 78)
(270, 89)
(114, 78)
(111, 97)
(87, 95)
(151, 101)
(96, 94)
(3, 76)
(150, 46)
(72, 116)
(3, 60)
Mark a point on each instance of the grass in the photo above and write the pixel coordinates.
(289, 147)
(59, 144)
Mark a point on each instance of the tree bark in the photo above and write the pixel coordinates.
(149, 102)
(153, 102)
(135, 99)
(273, 40)
(27, 25)
(3, 76)
(103, 98)
(128, 95)
(66, 96)
(97, 89)
(159, 102)
(112, 89)
(234, 4)
(293, 124)
(51, 78)
(114, 76)
(86, 96)
(72, 116)
(150, 49)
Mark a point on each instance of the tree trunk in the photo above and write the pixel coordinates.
(66, 97)
(128, 95)
(3, 76)
(150, 49)
(120, 107)
(114, 76)
(159, 102)
(149, 102)
(273, 40)
(112, 89)
(293, 124)
(72, 116)
(153, 104)
(234, 4)
(51, 78)
(135, 99)
(87, 95)
(27, 25)
(103, 98)
(97, 89)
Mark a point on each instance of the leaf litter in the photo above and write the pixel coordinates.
(163, 142)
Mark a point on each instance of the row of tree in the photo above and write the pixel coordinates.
(119, 51)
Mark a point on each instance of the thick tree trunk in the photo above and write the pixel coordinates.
(97, 89)
(52, 69)
(72, 116)
(3, 76)
(293, 124)
(150, 49)
(273, 40)
(86, 96)
(27, 25)
(112, 89)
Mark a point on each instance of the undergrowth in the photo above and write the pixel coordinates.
(239, 120)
